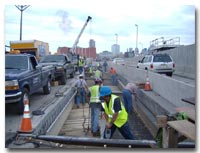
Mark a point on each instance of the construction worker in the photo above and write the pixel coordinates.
(127, 92)
(82, 88)
(114, 113)
(95, 105)
(98, 74)
(113, 74)
(81, 64)
(105, 65)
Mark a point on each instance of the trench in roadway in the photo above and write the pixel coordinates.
(76, 122)
(64, 119)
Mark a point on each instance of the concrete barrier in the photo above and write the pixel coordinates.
(165, 96)
(167, 87)
(185, 60)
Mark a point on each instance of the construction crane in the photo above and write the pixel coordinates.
(77, 39)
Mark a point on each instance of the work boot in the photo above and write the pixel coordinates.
(96, 134)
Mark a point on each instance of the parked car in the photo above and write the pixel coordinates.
(23, 77)
(160, 63)
(119, 61)
(62, 64)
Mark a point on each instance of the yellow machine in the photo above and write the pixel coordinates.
(34, 47)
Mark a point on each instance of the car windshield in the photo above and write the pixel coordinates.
(52, 58)
(162, 58)
(22, 62)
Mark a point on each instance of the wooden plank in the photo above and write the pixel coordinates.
(191, 112)
(184, 127)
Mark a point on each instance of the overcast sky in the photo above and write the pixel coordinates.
(60, 24)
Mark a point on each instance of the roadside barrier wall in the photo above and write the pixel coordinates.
(185, 60)
(167, 87)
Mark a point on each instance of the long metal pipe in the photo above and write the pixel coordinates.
(98, 142)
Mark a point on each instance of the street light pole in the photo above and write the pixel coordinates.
(21, 8)
(141, 45)
(136, 35)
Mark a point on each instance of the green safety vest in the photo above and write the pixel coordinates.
(122, 115)
(91, 70)
(81, 63)
(97, 74)
(94, 90)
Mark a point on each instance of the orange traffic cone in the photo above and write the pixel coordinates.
(26, 126)
(147, 85)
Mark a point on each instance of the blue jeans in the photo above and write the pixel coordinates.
(127, 97)
(114, 79)
(80, 97)
(80, 69)
(95, 111)
(105, 68)
(124, 130)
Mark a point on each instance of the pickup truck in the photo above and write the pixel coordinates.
(23, 77)
(62, 64)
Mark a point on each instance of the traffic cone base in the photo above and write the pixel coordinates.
(26, 125)
(147, 86)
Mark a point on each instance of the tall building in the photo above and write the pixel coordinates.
(92, 43)
(84, 52)
(115, 48)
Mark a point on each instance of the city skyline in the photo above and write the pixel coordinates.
(59, 25)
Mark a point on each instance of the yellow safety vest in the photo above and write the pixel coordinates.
(94, 90)
(97, 74)
(91, 70)
(81, 63)
(109, 110)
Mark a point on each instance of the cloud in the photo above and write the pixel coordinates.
(65, 22)
(59, 25)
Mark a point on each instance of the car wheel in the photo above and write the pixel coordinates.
(47, 87)
(72, 75)
(24, 97)
(169, 74)
(63, 80)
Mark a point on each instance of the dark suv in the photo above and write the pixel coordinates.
(62, 64)
(160, 63)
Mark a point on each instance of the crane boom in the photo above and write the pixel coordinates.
(77, 39)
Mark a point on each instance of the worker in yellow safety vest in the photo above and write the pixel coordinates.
(95, 106)
(81, 65)
(115, 114)
(98, 74)
(91, 70)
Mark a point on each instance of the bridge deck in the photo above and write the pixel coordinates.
(78, 122)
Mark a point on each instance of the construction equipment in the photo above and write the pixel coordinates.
(35, 47)
(73, 49)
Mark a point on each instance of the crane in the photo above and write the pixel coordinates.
(77, 39)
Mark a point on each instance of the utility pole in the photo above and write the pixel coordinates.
(21, 8)
(136, 35)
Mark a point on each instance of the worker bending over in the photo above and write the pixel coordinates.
(127, 92)
(114, 113)
(98, 74)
